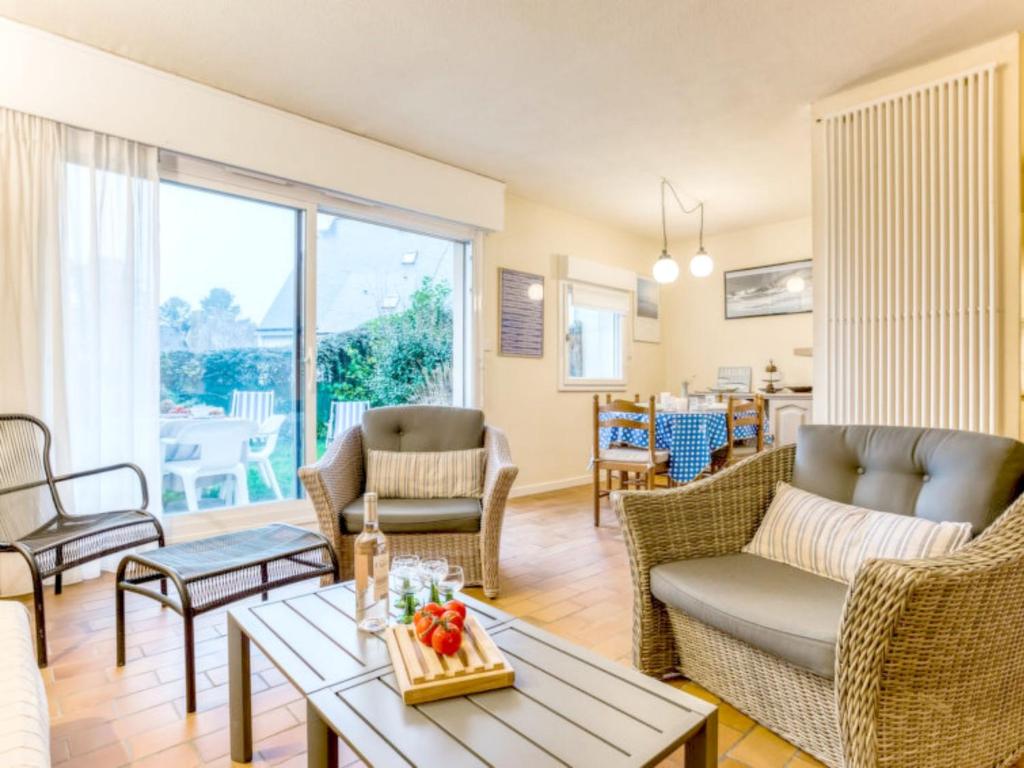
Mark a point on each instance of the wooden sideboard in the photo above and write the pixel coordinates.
(786, 412)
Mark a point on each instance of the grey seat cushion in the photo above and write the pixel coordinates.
(938, 474)
(422, 428)
(779, 609)
(417, 516)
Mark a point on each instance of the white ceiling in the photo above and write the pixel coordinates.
(582, 104)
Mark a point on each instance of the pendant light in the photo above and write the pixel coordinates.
(666, 270)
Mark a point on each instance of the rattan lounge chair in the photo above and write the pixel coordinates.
(465, 531)
(917, 663)
(28, 491)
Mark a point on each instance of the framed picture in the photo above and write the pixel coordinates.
(775, 289)
(646, 311)
(520, 313)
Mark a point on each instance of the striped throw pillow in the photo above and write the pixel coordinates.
(428, 475)
(833, 539)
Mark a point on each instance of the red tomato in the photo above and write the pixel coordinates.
(455, 605)
(425, 624)
(433, 608)
(447, 638)
(453, 618)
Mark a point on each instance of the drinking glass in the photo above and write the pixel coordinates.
(431, 572)
(453, 581)
(406, 582)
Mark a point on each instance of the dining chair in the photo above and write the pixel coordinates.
(742, 414)
(345, 414)
(223, 452)
(622, 457)
(262, 446)
(255, 405)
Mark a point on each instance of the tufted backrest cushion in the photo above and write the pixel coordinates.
(422, 428)
(937, 474)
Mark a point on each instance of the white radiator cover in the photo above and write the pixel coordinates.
(913, 301)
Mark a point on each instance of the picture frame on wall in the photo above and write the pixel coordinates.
(520, 313)
(647, 311)
(774, 289)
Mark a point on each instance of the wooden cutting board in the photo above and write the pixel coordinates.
(425, 675)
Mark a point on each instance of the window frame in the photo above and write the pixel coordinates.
(467, 285)
(572, 384)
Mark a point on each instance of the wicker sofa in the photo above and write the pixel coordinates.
(24, 714)
(917, 663)
(466, 531)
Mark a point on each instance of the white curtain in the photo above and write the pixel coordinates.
(82, 258)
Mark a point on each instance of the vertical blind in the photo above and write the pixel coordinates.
(911, 257)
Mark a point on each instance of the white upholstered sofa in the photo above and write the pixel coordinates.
(24, 716)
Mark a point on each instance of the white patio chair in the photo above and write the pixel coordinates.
(265, 442)
(223, 452)
(345, 414)
(255, 405)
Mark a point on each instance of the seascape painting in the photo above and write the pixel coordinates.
(775, 289)
(646, 311)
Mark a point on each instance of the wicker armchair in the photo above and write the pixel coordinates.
(53, 543)
(929, 657)
(338, 479)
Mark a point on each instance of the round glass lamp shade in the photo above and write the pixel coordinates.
(665, 269)
(701, 265)
(795, 284)
(535, 292)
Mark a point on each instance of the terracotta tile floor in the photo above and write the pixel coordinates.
(558, 572)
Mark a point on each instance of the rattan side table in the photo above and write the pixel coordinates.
(210, 573)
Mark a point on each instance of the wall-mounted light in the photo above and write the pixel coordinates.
(665, 268)
(535, 292)
(795, 284)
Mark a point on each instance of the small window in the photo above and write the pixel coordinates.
(593, 350)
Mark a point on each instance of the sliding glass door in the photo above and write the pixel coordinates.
(229, 348)
(389, 306)
(285, 313)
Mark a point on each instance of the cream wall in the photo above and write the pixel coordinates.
(549, 431)
(698, 338)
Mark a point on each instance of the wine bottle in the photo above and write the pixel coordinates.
(371, 556)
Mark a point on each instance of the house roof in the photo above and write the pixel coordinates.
(360, 274)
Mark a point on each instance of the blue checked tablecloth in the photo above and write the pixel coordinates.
(690, 437)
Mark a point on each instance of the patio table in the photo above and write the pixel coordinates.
(690, 437)
(171, 427)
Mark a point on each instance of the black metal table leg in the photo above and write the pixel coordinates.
(190, 663)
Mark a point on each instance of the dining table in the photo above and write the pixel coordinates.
(690, 436)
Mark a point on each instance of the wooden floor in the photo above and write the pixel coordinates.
(558, 572)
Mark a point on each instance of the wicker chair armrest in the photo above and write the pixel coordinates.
(335, 481)
(714, 516)
(710, 517)
(499, 474)
(930, 660)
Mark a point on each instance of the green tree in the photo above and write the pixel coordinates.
(217, 324)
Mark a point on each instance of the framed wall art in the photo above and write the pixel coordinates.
(646, 311)
(774, 289)
(520, 313)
